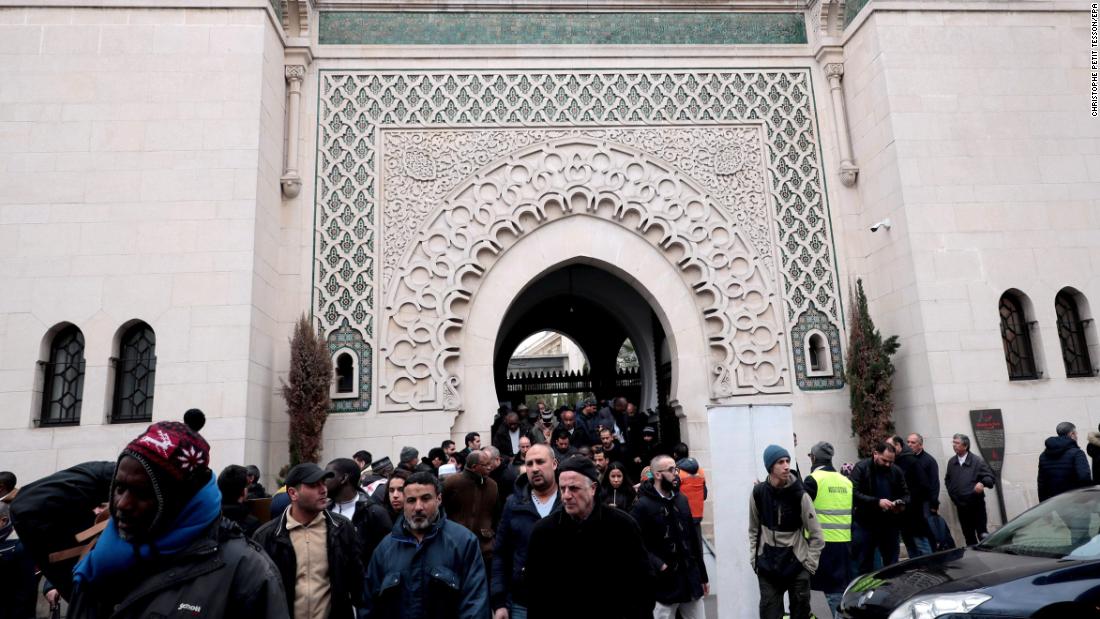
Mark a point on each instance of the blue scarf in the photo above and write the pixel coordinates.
(113, 555)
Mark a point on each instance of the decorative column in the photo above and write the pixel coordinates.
(291, 181)
(848, 169)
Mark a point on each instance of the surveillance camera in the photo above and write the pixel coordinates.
(885, 223)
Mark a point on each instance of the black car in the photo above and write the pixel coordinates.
(1045, 563)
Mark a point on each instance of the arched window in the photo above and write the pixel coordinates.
(819, 361)
(1071, 335)
(64, 379)
(135, 370)
(345, 378)
(345, 383)
(1016, 337)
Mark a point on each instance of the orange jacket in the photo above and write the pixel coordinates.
(692, 487)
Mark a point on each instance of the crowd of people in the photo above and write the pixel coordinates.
(817, 533)
(479, 532)
(485, 531)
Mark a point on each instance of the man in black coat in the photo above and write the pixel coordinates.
(1062, 465)
(966, 480)
(673, 541)
(914, 527)
(507, 436)
(879, 496)
(536, 496)
(371, 519)
(307, 534)
(561, 541)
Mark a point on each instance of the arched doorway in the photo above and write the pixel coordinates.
(599, 311)
(577, 200)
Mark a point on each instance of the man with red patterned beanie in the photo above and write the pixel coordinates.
(166, 550)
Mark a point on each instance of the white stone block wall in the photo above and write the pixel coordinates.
(974, 134)
(137, 184)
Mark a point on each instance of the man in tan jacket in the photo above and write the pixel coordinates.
(785, 538)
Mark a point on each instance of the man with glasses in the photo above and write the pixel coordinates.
(583, 526)
(675, 548)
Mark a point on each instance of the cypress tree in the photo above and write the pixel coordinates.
(306, 391)
(870, 375)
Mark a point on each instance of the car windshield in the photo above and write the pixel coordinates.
(1064, 527)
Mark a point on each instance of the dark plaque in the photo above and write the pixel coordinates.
(989, 434)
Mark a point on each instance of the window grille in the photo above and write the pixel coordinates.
(135, 373)
(1017, 340)
(1071, 336)
(64, 379)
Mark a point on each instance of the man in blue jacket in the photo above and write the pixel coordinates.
(428, 567)
(1062, 465)
(536, 497)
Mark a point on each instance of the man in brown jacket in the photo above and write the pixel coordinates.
(470, 498)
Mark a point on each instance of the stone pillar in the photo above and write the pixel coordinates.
(291, 181)
(848, 169)
(738, 436)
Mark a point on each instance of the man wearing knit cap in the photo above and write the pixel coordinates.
(560, 541)
(832, 496)
(785, 538)
(166, 549)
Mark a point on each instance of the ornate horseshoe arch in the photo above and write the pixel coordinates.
(457, 244)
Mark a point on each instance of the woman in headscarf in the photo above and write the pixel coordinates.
(616, 489)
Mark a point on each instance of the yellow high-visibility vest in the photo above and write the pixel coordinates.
(833, 505)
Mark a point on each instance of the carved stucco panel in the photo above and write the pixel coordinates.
(497, 202)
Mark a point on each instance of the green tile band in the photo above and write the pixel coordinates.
(851, 9)
(459, 28)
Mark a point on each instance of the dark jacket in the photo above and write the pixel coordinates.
(18, 578)
(865, 494)
(242, 515)
(559, 544)
(442, 577)
(221, 574)
(372, 524)
(510, 545)
(256, 491)
(913, 521)
(1093, 448)
(672, 539)
(1062, 467)
(48, 514)
(345, 568)
(931, 471)
(959, 481)
(471, 500)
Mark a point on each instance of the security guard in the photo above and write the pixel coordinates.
(832, 495)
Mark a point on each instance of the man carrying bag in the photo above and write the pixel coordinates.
(785, 536)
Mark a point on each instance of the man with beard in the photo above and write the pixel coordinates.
(675, 547)
(612, 448)
(536, 497)
(879, 496)
(371, 520)
(428, 567)
(166, 548)
(582, 527)
(562, 444)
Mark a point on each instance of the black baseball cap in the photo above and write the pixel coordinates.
(307, 473)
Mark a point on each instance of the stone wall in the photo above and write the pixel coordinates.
(137, 167)
(974, 133)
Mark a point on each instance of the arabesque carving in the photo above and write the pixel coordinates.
(577, 176)
(421, 166)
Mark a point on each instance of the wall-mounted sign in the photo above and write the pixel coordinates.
(989, 434)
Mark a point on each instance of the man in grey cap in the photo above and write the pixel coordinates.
(317, 551)
(408, 459)
(832, 496)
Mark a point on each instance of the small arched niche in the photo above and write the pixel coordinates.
(345, 375)
(819, 359)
